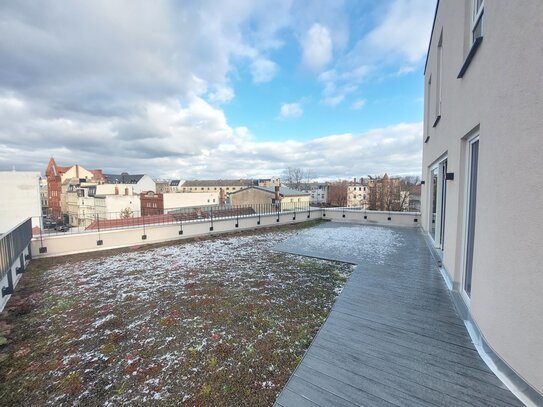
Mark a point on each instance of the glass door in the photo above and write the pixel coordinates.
(437, 203)
(473, 161)
(433, 213)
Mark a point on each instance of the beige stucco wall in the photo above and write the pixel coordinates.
(501, 97)
(290, 203)
(77, 172)
(19, 198)
(252, 196)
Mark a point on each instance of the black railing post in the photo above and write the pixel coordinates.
(236, 209)
(278, 207)
(99, 242)
(309, 211)
(211, 218)
(258, 223)
(42, 249)
(144, 236)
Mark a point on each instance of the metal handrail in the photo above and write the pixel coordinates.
(12, 244)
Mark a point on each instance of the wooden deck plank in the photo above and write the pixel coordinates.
(393, 337)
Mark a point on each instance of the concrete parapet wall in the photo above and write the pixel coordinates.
(111, 239)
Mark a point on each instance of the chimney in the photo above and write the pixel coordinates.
(277, 198)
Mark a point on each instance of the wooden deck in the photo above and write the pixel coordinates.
(393, 337)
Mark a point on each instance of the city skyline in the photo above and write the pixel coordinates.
(215, 91)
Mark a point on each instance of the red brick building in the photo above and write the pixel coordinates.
(151, 203)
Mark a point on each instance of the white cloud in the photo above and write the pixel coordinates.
(290, 110)
(358, 104)
(317, 47)
(135, 86)
(263, 70)
(222, 94)
(403, 33)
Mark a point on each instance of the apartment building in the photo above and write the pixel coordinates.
(57, 176)
(482, 130)
(87, 202)
(318, 192)
(158, 204)
(358, 193)
(285, 199)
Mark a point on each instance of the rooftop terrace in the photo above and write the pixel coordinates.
(225, 320)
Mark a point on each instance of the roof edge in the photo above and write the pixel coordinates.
(431, 37)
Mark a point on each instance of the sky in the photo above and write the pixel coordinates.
(214, 89)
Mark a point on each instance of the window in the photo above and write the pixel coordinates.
(477, 20)
(471, 203)
(427, 108)
(439, 77)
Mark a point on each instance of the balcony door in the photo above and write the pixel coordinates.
(438, 194)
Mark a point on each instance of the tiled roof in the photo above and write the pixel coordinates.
(123, 178)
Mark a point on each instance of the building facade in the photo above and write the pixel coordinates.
(318, 192)
(482, 130)
(151, 203)
(57, 176)
(20, 199)
(140, 182)
(284, 199)
(358, 193)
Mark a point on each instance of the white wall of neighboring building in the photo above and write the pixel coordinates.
(498, 99)
(188, 199)
(146, 183)
(115, 189)
(113, 206)
(19, 198)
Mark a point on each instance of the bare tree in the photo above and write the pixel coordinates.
(337, 193)
(298, 178)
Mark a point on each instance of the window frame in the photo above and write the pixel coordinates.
(470, 141)
(477, 18)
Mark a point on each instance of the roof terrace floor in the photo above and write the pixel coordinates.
(393, 337)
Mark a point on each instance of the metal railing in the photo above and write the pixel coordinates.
(97, 222)
(12, 245)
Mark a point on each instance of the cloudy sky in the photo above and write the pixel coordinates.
(214, 89)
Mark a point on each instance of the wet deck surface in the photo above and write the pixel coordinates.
(393, 337)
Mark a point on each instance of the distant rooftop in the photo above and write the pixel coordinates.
(123, 178)
(218, 183)
(283, 191)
